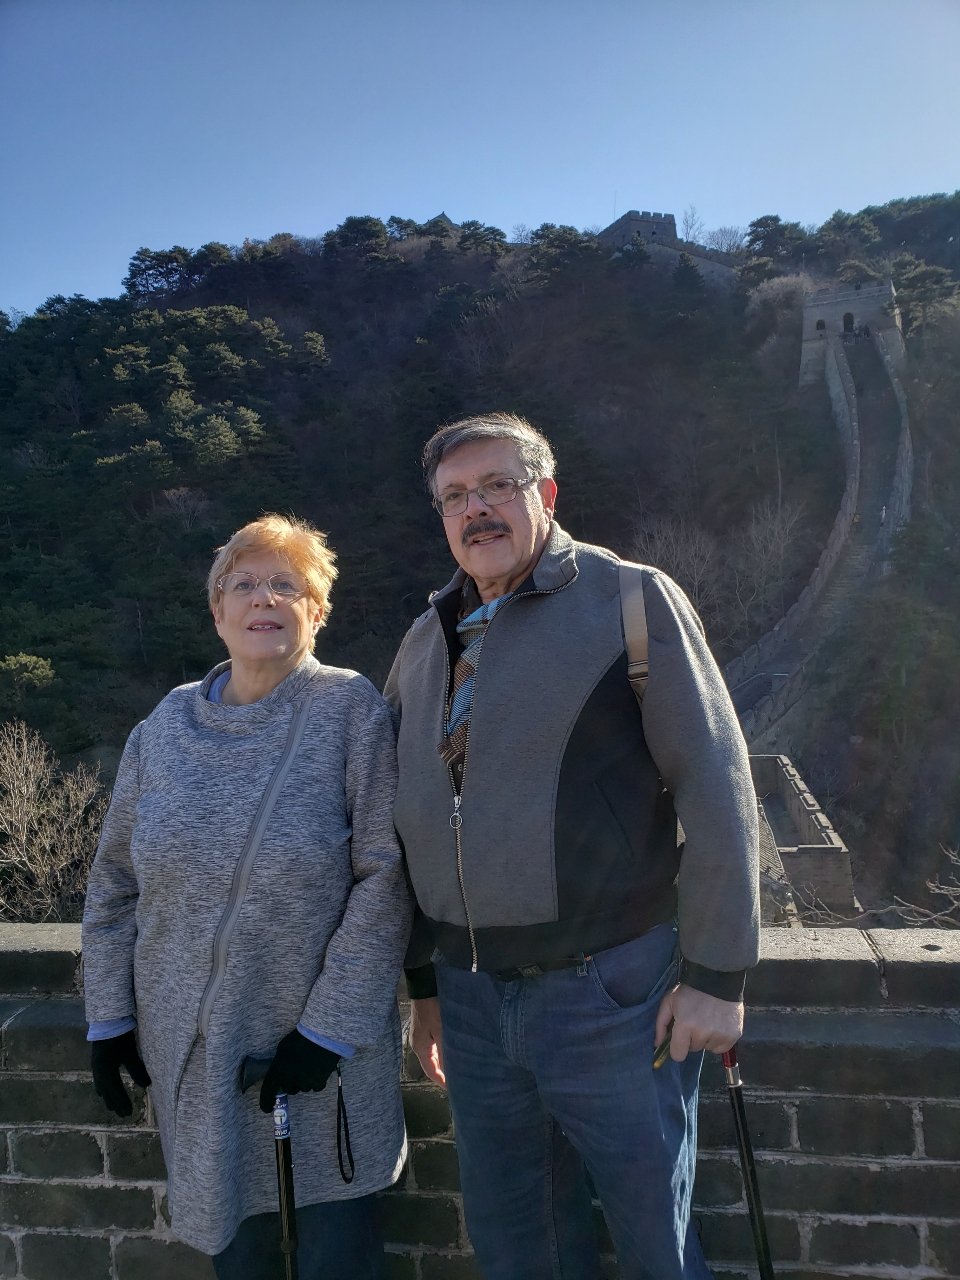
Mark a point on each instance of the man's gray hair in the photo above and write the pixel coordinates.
(533, 448)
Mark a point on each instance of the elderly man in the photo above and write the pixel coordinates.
(569, 927)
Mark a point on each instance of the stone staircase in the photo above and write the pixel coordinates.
(879, 436)
(832, 608)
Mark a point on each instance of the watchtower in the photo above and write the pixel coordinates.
(653, 228)
(850, 311)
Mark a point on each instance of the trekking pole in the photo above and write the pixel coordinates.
(747, 1165)
(251, 1073)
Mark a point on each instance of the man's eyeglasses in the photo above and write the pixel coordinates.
(493, 493)
(278, 584)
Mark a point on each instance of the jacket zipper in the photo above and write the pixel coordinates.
(456, 818)
(244, 867)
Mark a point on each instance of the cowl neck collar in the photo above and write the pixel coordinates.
(290, 689)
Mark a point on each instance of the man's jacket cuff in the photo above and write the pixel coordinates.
(713, 982)
(421, 982)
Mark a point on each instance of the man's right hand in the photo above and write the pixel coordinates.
(425, 1035)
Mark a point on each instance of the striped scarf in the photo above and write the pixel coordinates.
(471, 631)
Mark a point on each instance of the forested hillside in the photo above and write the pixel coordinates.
(139, 432)
(304, 375)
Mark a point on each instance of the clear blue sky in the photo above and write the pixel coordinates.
(158, 122)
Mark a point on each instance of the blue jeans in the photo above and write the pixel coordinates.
(337, 1240)
(547, 1075)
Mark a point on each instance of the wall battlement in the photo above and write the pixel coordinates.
(851, 1064)
(814, 858)
(659, 228)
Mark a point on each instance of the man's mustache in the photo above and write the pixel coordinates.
(477, 527)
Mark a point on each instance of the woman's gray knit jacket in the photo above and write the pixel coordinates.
(218, 953)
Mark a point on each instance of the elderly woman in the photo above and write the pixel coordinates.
(248, 898)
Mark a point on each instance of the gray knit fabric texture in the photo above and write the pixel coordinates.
(317, 934)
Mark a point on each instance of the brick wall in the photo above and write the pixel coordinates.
(851, 1064)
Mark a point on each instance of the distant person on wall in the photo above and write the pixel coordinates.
(538, 809)
(248, 898)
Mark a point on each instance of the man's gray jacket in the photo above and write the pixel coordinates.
(565, 837)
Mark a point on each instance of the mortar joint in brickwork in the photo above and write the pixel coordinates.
(863, 1219)
(923, 1232)
(805, 1226)
(763, 1093)
(791, 1112)
(16, 1235)
(160, 1224)
(822, 1160)
(920, 1147)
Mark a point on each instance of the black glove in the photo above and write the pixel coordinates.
(298, 1064)
(106, 1059)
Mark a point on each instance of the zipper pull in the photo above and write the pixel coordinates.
(456, 818)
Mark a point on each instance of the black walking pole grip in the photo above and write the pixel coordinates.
(252, 1072)
(748, 1167)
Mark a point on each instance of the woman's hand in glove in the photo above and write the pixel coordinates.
(106, 1059)
(297, 1065)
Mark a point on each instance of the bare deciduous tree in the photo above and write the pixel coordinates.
(759, 558)
(690, 555)
(726, 239)
(736, 583)
(512, 274)
(948, 917)
(812, 910)
(49, 826)
(482, 335)
(691, 226)
(189, 504)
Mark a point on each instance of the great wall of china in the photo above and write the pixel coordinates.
(851, 1056)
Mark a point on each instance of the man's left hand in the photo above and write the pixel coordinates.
(699, 1022)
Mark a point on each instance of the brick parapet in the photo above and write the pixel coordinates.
(851, 1064)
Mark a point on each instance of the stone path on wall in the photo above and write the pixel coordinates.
(879, 437)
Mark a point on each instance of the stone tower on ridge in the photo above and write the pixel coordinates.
(654, 228)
